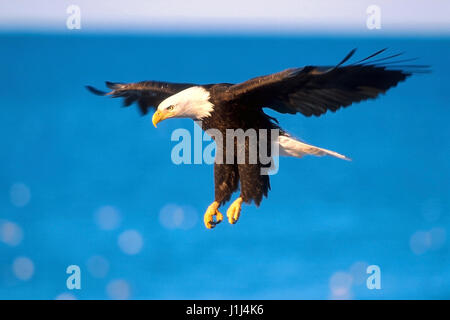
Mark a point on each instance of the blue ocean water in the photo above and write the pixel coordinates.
(85, 182)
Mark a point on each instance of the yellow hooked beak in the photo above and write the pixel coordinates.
(159, 116)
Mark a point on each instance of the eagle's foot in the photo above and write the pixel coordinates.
(234, 211)
(210, 213)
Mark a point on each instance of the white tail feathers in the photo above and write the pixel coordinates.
(294, 148)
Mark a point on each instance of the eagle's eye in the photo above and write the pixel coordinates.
(169, 108)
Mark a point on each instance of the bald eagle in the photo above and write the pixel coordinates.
(310, 90)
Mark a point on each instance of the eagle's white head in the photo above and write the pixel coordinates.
(191, 103)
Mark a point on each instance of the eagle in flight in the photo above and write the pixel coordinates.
(310, 90)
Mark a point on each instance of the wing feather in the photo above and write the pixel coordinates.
(147, 94)
(313, 90)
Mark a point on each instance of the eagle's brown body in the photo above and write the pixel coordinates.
(227, 176)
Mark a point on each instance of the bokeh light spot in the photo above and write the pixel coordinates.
(108, 218)
(20, 194)
(130, 242)
(420, 242)
(65, 296)
(340, 285)
(98, 266)
(10, 233)
(23, 268)
(118, 290)
(173, 216)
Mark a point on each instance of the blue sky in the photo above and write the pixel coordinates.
(400, 16)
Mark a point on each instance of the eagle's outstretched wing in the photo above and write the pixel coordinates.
(313, 90)
(147, 94)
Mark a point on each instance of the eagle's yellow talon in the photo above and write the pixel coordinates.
(234, 211)
(210, 213)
